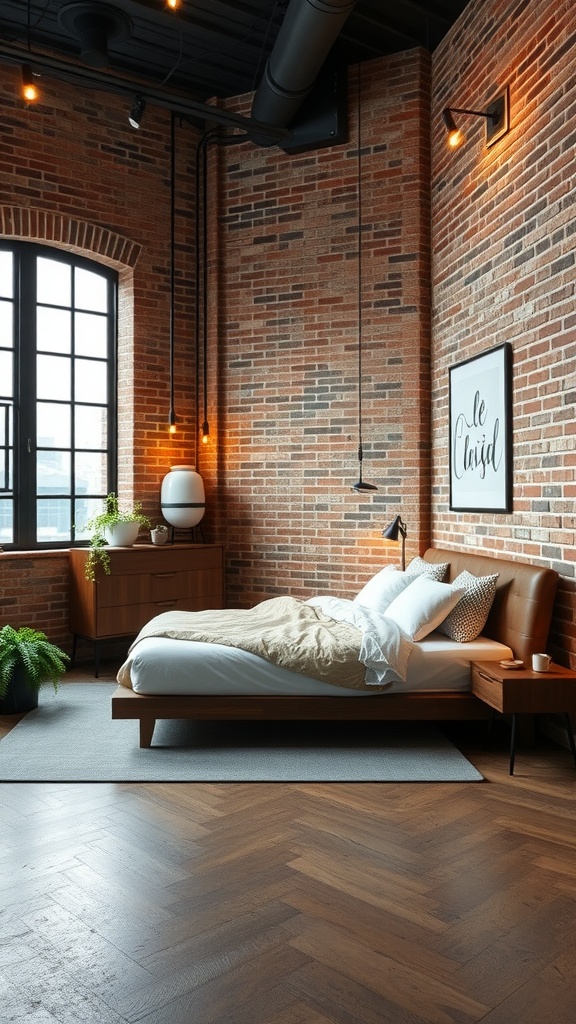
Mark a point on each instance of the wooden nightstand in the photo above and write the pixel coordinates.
(522, 691)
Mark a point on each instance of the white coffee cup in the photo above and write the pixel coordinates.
(541, 662)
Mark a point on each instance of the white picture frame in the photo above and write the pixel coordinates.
(480, 442)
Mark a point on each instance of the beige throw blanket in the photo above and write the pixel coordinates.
(283, 630)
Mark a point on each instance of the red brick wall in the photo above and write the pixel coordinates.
(504, 270)
(284, 346)
(73, 173)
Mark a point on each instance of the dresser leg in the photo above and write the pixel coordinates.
(513, 745)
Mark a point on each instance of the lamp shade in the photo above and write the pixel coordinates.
(182, 498)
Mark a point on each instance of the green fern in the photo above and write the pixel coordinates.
(41, 661)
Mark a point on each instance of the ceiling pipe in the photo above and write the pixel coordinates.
(307, 34)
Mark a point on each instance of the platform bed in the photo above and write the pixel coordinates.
(520, 618)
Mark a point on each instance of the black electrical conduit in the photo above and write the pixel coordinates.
(201, 257)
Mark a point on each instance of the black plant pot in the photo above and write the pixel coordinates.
(19, 698)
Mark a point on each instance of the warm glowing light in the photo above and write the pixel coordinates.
(30, 91)
(172, 428)
(455, 138)
(205, 438)
(173, 4)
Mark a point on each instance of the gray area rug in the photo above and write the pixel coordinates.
(71, 738)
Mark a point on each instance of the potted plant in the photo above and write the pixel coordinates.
(27, 660)
(115, 527)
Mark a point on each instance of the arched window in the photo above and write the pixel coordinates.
(57, 393)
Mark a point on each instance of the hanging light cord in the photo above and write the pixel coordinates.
(172, 415)
(359, 271)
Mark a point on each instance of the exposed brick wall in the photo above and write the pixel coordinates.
(75, 175)
(504, 240)
(284, 333)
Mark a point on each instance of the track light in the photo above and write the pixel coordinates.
(137, 113)
(30, 91)
(496, 116)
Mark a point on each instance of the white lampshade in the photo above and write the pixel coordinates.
(182, 497)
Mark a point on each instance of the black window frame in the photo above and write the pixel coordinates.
(24, 469)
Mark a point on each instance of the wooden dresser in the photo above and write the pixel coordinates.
(144, 581)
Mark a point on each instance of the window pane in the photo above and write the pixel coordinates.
(6, 275)
(53, 519)
(90, 381)
(90, 291)
(5, 448)
(54, 283)
(91, 424)
(53, 330)
(90, 336)
(6, 378)
(6, 324)
(85, 508)
(90, 472)
(53, 377)
(53, 425)
(6, 521)
(53, 472)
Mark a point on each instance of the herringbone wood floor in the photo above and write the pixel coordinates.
(294, 904)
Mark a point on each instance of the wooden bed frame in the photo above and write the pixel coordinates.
(520, 617)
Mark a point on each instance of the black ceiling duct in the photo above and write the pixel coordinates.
(95, 25)
(307, 34)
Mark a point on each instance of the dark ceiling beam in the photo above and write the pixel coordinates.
(106, 82)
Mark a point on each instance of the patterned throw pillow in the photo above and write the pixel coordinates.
(467, 620)
(437, 570)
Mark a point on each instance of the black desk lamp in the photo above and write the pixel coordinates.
(391, 532)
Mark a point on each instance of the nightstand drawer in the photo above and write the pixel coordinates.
(523, 691)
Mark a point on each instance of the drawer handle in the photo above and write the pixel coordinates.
(163, 575)
(482, 675)
(164, 604)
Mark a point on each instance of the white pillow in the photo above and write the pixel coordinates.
(423, 606)
(467, 620)
(418, 566)
(381, 590)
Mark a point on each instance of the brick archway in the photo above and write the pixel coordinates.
(78, 236)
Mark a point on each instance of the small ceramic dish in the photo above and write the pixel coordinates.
(512, 663)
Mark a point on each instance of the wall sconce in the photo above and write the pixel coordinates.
(137, 113)
(30, 91)
(496, 116)
(395, 529)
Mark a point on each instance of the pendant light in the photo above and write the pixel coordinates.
(360, 486)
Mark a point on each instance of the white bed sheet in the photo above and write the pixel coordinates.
(164, 666)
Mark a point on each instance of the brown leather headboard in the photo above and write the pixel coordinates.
(522, 609)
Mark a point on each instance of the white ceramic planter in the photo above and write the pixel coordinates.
(122, 535)
(182, 497)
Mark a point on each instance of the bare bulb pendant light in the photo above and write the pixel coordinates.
(360, 486)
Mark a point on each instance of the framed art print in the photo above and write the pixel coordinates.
(481, 432)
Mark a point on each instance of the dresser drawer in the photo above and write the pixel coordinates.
(139, 588)
(129, 619)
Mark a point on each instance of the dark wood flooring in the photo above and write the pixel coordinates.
(294, 904)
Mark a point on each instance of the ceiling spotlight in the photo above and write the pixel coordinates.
(496, 116)
(173, 4)
(137, 113)
(30, 91)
